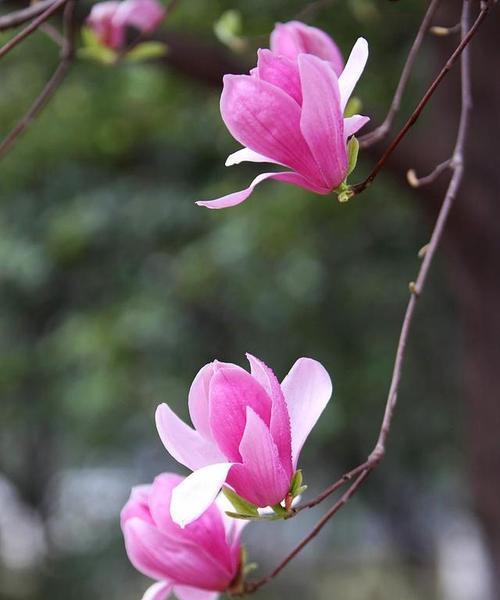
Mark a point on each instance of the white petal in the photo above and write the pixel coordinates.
(158, 591)
(352, 71)
(247, 155)
(307, 389)
(192, 497)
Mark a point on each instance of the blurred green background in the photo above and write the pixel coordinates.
(115, 289)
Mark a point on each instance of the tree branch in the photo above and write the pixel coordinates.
(361, 473)
(33, 26)
(67, 58)
(382, 130)
(485, 7)
(19, 17)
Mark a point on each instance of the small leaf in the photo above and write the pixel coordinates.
(89, 38)
(228, 30)
(354, 106)
(250, 568)
(241, 506)
(279, 510)
(236, 515)
(100, 54)
(146, 51)
(296, 482)
(352, 154)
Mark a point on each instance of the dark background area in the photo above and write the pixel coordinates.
(115, 289)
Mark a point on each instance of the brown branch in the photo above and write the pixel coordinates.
(485, 7)
(67, 57)
(382, 130)
(19, 17)
(32, 27)
(416, 182)
(360, 473)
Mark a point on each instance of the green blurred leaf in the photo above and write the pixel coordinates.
(146, 51)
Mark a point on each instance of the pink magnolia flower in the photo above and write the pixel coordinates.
(294, 38)
(195, 563)
(290, 112)
(249, 432)
(109, 20)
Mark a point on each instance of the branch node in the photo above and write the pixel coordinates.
(412, 286)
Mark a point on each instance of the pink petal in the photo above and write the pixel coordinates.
(238, 197)
(157, 556)
(144, 15)
(207, 532)
(353, 70)
(101, 21)
(232, 390)
(137, 505)
(246, 155)
(198, 401)
(266, 119)
(322, 121)
(183, 443)
(294, 38)
(158, 591)
(307, 389)
(281, 72)
(353, 124)
(195, 494)
(261, 479)
(189, 593)
(280, 421)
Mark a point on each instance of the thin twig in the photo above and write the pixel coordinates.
(19, 17)
(32, 27)
(382, 130)
(360, 187)
(416, 182)
(361, 472)
(67, 57)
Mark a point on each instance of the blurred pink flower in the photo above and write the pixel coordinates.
(109, 20)
(294, 38)
(249, 432)
(291, 113)
(195, 563)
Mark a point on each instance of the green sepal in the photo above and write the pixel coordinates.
(236, 515)
(352, 154)
(296, 484)
(146, 51)
(354, 106)
(344, 192)
(241, 506)
(279, 510)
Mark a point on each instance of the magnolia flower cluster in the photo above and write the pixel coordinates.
(289, 111)
(109, 20)
(248, 428)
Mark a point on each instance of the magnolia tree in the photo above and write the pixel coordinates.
(294, 109)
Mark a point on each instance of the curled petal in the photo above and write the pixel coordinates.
(137, 505)
(238, 197)
(307, 389)
(246, 155)
(322, 121)
(184, 443)
(280, 420)
(294, 38)
(353, 124)
(281, 72)
(352, 71)
(266, 119)
(261, 479)
(195, 494)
